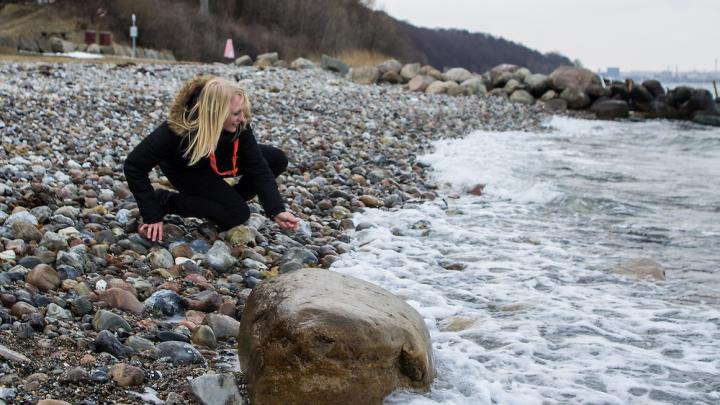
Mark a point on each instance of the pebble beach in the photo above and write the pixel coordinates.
(93, 313)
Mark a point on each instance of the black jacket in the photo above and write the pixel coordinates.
(165, 147)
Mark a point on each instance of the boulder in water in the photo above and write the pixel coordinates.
(610, 109)
(316, 336)
(641, 268)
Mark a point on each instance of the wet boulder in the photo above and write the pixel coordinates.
(610, 109)
(641, 268)
(576, 99)
(654, 87)
(537, 84)
(641, 98)
(699, 101)
(316, 336)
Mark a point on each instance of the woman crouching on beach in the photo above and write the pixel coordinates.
(207, 137)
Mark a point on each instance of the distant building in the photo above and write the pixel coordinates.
(613, 72)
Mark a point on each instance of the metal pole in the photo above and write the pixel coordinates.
(133, 34)
(715, 85)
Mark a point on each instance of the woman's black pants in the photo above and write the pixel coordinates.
(207, 195)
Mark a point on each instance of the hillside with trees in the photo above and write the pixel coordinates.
(297, 28)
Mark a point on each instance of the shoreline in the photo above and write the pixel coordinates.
(349, 145)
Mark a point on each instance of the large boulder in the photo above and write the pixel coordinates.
(458, 75)
(438, 87)
(572, 77)
(392, 78)
(266, 59)
(699, 101)
(641, 98)
(501, 74)
(420, 83)
(474, 85)
(537, 84)
(619, 92)
(654, 87)
(659, 108)
(409, 71)
(428, 70)
(610, 109)
(707, 119)
(680, 95)
(365, 74)
(641, 268)
(576, 98)
(244, 60)
(334, 65)
(390, 65)
(9, 43)
(316, 336)
(302, 63)
(596, 91)
(29, 44)
(522, 97)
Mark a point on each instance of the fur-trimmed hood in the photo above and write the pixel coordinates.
(181, 106)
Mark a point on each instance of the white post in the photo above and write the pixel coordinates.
(133, 34)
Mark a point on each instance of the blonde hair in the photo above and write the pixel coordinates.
(204, 122)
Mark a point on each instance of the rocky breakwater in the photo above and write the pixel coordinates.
(102, 314)
(53, 44)
(319, 337)
(566, 88)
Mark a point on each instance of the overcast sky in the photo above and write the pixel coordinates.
(630, 34)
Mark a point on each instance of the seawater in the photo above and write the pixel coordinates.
(516, 285)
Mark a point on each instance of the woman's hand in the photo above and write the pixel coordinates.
(153, 232)
(287, 220)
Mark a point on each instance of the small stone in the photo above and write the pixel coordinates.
(52, 402)
(179, 352)
(21, 308)
(371, 201)
(122, 299)
(181, 250)
(26, 231)
(87, 360)
(219, 257)
(69, 233)
(13, 356)
(204, 336)
(53, 241)
(222, 325)
(44, 277)
(165, 302)
(241, 235)
(74, 375)
(20, 216)
(216, 389)
(108, 343)
(160, 259)
(55, 312)
(139, 344)
(81, 306)
(126, 375)
(106, 320)
(299, 255)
